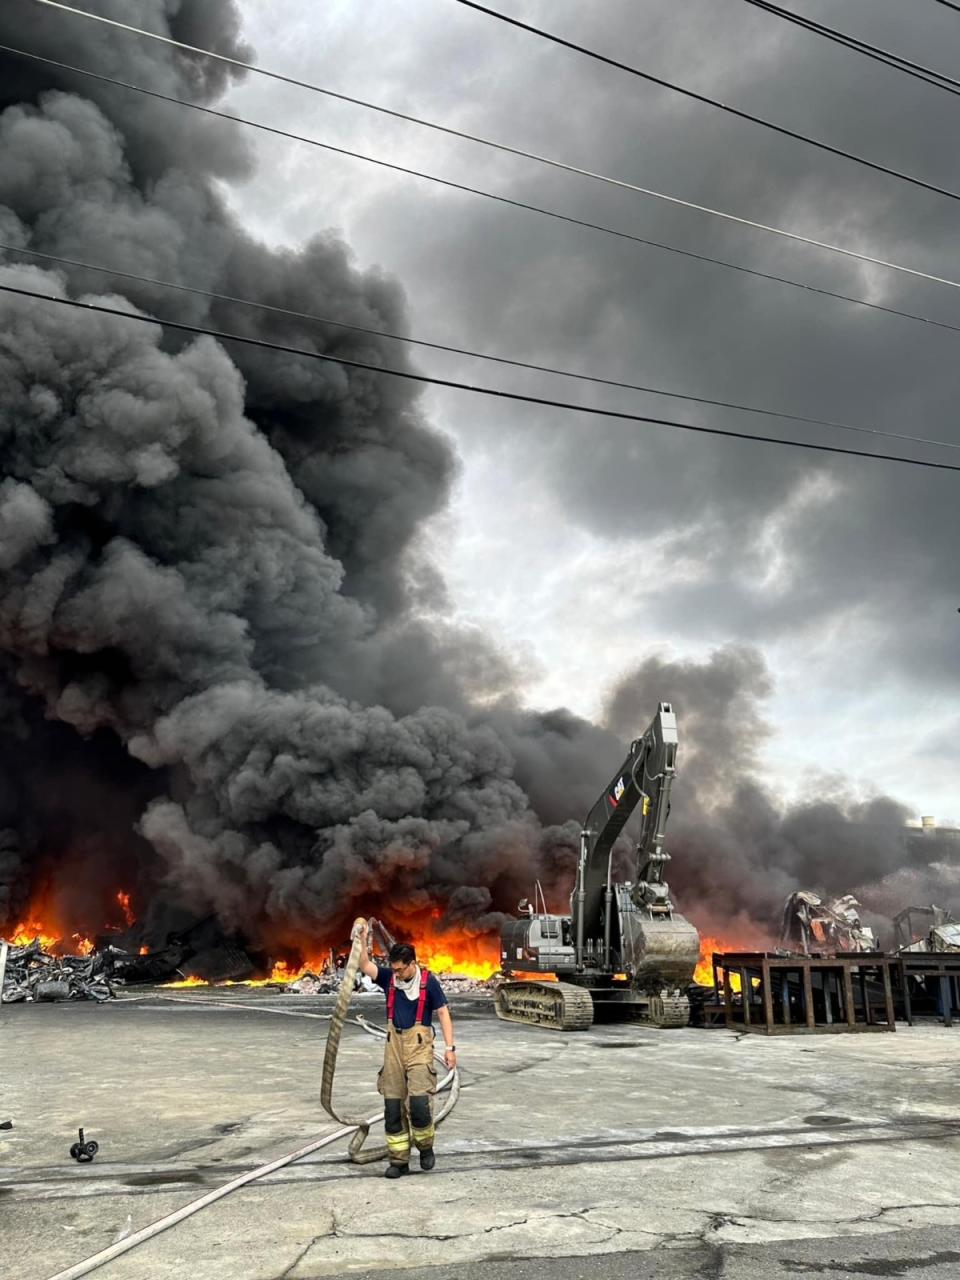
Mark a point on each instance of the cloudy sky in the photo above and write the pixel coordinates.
(583, 545)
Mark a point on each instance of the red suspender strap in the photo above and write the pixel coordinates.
(422, 1002)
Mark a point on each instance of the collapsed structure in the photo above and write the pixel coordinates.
(811, 924)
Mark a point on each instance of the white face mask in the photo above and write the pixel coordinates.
(409, 986)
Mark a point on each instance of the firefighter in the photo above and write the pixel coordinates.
(408, 1077)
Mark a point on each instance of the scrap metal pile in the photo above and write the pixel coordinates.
(31, 973)
(813, 924)
(34, 971)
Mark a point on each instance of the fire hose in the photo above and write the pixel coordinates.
(358, 1129)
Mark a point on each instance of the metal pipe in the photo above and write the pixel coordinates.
(608, 911)
(581, 897)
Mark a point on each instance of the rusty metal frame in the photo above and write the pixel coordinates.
(943, 965)
(837, 974)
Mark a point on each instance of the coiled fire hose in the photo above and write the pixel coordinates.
(339, 1017)
(357, 1129)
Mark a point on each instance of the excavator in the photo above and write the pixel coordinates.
(623, 951)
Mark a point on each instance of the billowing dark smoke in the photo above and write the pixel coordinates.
(216, 680)
(206, 557)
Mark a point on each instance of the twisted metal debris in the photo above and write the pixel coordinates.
(34, 974)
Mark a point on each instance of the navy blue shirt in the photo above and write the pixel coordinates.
(404, 1010)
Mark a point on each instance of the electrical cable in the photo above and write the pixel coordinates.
(949, 4)
(475, 355)
(493, 392)
(697, 97)
(598, 226)
(556, 164)
(458, 133)
(884, 56)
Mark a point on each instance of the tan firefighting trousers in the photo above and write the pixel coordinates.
(407, 1083)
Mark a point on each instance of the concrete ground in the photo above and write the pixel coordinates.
(622, 1151)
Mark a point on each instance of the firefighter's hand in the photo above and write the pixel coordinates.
(449, 1058)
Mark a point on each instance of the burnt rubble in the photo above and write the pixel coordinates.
(328, 983)
(456, 984)
(34, 974)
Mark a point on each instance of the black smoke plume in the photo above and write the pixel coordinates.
(209, 577)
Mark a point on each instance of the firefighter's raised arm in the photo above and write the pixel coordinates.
(360, 930)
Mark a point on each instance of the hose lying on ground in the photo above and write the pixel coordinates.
(358, 1129)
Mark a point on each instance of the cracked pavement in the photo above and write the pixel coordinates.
(685, 1153)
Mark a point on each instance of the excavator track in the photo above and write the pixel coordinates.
(559, 1006)
(669, 1011)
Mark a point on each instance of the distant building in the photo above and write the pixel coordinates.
(928, 842)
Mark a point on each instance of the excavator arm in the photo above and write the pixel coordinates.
(643, 780)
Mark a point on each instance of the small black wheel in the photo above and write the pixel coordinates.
(93, 1148)
(75, 1150)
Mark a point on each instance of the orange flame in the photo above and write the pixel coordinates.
(124, 901)
(703, 973)
(450, 952)
(450, 959)
(30, 929)
(46, 924)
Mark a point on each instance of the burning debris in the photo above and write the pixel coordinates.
(31, 973)
(812, 925)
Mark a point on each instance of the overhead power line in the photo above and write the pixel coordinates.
(473, 389)
(473, 355)
(949, 4)
(470, 137)
(556, 164)
(700, 97)
(915, 69)
(519, 204)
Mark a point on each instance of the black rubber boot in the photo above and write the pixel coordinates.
(427, 1160)
(396, 1170)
